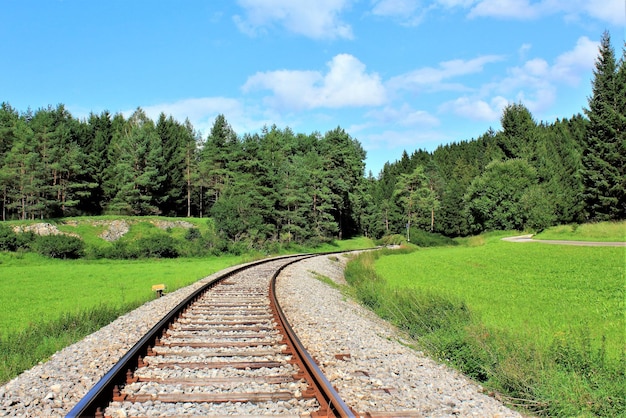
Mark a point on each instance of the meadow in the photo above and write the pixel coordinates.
(541, 326)
(601, 231)
(36, 289)
(533, 290)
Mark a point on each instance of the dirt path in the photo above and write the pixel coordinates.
(529, 238)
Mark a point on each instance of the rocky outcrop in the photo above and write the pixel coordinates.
(43, 229)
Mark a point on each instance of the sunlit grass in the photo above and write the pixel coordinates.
(534, 290)
(34, 289)
(601, 231)
(542, 325)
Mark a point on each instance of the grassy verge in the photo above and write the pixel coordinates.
(543, 326)
(21, 350)
(601, 231)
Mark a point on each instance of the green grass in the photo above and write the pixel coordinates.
(542, 325)
(601, 231)
(34, 289)
(534, 290)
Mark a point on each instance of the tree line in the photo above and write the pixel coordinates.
(282, 186)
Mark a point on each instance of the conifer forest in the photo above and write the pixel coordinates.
(282, 186)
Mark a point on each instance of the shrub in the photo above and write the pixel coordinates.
(59, 246)
(157, 246)
(8, 238)
(193, 234)
(430, 239)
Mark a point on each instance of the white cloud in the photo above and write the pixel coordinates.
(522, 52)
(611, 11)
(408, 12)
(402, 139)
(201, 112)
(535, 84)
(404, 115)
(518, 9)
(476, 109)
(346, 84)
(432, 79)
(317, 20)
(581, 59)
(395, 7)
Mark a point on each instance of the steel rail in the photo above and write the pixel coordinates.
(337, 407)
(97, 399)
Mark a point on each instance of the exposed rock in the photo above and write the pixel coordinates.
(43, 229)
(172, 224)
(115, 231)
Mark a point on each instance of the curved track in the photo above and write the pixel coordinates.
(225, 350)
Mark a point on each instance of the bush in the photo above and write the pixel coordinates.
(8, 238)
(59, 246)
(193, 234)
(430, 239)
(157, 246)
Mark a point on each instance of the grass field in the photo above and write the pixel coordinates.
(35, 289)
(601, 231)
(544, 325)
(533, 290)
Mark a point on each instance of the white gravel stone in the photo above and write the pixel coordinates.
(380, 373)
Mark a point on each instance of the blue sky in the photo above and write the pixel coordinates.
(395, 74)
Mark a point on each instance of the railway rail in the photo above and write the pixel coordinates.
(227, 349)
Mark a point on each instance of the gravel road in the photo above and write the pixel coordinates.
(366, 359)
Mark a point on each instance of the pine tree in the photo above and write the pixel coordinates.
(217, 152)
(138, 157)
(620, 152)
(601, 153)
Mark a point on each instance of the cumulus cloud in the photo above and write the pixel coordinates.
(346, 84)
(201, 112)
(534, 83)
(611, 11)
(317, 20)
(570, 65)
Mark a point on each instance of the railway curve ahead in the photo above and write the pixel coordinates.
(225, 350)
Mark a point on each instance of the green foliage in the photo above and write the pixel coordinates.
(8, 238)
(193, 234)
(157, 246)
(423, 238)
(499, 199)
(604, 155)
(59, 246)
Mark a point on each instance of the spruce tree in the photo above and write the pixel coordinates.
(601, 153)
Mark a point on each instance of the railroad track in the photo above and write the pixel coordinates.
(225, 350)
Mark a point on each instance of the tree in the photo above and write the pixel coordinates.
(517, 139)
(414, 192)
(216, 153)
(138, 156)
(603, 185)
(500, 198)
(345, 168)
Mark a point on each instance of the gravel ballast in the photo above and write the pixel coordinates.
(362, 356)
